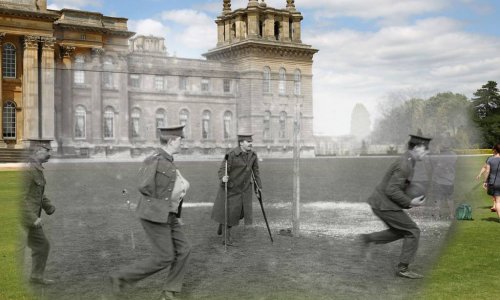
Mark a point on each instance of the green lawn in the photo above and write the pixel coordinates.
(11, 283)
(468, 266)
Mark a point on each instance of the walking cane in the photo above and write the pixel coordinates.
(225, 208)
(258, 193)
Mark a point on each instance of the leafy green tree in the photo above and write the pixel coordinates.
(486, 112)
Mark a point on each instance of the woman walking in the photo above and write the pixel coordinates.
(493, 177)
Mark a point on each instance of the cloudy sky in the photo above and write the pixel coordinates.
(370, 51)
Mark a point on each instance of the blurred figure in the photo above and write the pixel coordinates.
(483, 171)
(443, 180)
(241, 162)
(33, 202)
(162, 189)
(493, 178)
(388, 201)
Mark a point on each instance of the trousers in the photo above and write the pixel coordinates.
(401, 226)
(170, 250)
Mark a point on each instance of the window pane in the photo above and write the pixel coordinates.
(9, 120)
(159, 83)
(108, 124)
(228, 116)
(205, 85)
(227, 85)
(80, 115)
(266, 82)
(9, 61)
(282, 83)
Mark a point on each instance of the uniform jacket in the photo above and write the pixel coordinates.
(390, 193)
(34, 199)
(239, 187)
(156, 182)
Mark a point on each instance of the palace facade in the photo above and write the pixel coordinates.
(81, 79)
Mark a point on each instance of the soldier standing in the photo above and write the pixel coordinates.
(388, 201)
(33, 202)
(162, 189)
(241, 162)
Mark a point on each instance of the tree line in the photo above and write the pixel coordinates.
(447, 117)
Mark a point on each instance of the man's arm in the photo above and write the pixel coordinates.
(395, 188)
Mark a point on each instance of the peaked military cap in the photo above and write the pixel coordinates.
(420, 140)
(40, 143)
(245, 137)
(172, 131)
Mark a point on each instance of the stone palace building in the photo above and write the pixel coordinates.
(81, 79)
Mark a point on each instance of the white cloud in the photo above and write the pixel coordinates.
(73, 4)
(148, 27)
(431, 55)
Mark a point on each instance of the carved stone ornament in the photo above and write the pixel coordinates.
(48, 42)
(226, 7)
(67, 51)
(31, 41)
(290, 3)
(2, 36)
(97, 51)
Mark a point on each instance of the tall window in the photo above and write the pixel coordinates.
(182, 83)
(135, 118)
(227, 85)
(109, 123)
(297, 80)
(159, 83)
(205, 84)
(160, 120)
(205, 125)
(184, 120)
(79, 74)
(267, 125)
(134, 80)
(282, 82)
(266, 82)
(228, 118)
(80, 122)
(9, 61)
(9, 120)
(282, 125)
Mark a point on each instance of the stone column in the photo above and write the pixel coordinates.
(253, 23)
(296, 28)
(48, 83)
(2, 143)
(220, 31)
(66, 96)
(227, 30)
(239, 28)
(30, 88)
(94, 130)
(268, 30)
(285, 25)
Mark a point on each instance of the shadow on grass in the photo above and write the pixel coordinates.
(492, 219)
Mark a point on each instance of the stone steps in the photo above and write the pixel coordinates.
(13, 155)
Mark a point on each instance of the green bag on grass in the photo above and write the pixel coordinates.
(463, 212)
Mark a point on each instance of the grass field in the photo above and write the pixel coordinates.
(90, 236)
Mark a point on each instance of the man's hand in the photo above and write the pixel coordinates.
(225, 179)
(38, 223)
(417, 201)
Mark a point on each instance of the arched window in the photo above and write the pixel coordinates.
(135, 118)
(109, 123)
(267, 125)
(9, 61)
(184, 120)
(282, 82)
(228, 119)
(160, 120)
(9, 120)
(205, 125)
(80, 122)
(266, 82)
(79, 74)
(297, 79)
(282, 125)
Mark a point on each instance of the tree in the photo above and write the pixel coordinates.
(485, 110)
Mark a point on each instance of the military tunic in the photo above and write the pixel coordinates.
(32, 204)
(158, 210)
(388, 201)
(239, 187)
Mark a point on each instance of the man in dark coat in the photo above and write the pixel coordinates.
(388, 201)
(162, 189)
(33, 202)
(241, 162)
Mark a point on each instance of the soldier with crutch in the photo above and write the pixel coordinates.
(236, 172)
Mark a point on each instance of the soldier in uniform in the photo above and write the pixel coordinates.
(33, 202)
(241, 162)
(162, 189)
(388, 201)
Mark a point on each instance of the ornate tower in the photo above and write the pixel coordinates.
(275, 70)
